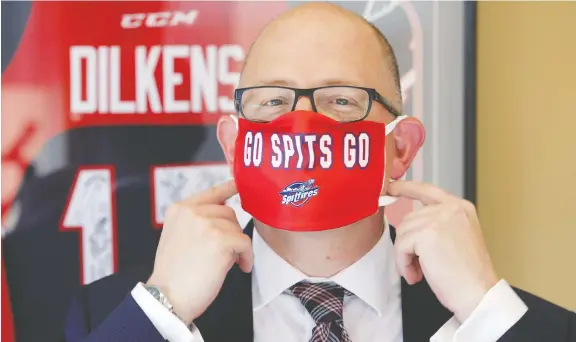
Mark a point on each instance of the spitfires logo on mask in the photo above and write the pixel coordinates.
(299, 193)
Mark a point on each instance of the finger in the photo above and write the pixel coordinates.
(428, 212)
(226, 225)
(407, 259)
(242, 246)
(408, 226)
(413, 272)
(215, 195)
(423, 192)
(236, 242)
(216, 211)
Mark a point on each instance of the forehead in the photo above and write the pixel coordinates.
(307, 52)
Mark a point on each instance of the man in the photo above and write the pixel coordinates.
(316, 69)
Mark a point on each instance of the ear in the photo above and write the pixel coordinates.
(226, 132)
(408, 137)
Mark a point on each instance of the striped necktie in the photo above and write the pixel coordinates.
(324, 302)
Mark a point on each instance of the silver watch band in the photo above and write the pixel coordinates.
(162, 299)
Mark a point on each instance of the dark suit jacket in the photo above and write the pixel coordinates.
(105, 311)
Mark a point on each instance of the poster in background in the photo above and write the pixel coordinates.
(108, 113)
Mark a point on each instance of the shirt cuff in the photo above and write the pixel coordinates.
(168, 325)
(498, 311)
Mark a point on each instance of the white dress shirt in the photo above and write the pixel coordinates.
(374, 314)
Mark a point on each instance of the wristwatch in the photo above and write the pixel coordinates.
(161, 298)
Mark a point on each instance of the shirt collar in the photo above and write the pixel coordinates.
(372, 278)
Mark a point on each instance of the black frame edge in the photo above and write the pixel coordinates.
(470, 49)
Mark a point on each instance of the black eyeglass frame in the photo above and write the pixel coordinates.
(373, 95)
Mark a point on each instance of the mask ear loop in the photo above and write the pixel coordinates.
(387, 200)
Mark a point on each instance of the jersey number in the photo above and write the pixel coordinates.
(91, 208)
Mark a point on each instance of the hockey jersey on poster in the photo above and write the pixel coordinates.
(108, 112)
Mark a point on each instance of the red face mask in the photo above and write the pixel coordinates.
(304, 171)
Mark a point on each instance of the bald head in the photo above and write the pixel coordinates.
(389, 58)
(326, 43)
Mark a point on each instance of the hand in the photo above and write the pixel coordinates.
(201, 240)
(443, 242)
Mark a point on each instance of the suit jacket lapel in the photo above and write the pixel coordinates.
(422, 313)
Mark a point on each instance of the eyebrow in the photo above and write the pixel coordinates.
(326, 82)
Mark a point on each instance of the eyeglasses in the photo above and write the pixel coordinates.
(342, 103)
